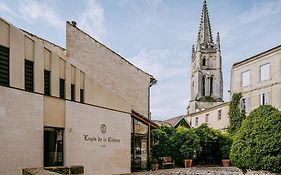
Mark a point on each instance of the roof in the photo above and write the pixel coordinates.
(173, 121)
(210, 109)
(256, 56)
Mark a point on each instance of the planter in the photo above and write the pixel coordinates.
(187, 163)
(154, 167)
(225, 162)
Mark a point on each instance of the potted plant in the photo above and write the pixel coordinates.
(225, 149)
(190, 148)
(154, 164)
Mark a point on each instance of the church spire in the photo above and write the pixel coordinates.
(205, 32)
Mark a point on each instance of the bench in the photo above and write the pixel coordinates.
(167, 161)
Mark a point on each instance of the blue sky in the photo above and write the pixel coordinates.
(157, 35)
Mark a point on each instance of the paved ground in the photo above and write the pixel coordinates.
(194, 171)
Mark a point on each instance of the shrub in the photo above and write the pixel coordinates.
(257, 144)
(191, 145)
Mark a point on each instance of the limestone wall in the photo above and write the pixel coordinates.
(107, 67)
(85, 143)
(21, 131)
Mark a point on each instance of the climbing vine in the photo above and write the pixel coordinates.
(236, 117)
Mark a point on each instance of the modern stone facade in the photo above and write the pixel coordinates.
(56, 111)
(259, 80)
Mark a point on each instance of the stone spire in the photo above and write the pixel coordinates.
(218, 42)
(205, 32)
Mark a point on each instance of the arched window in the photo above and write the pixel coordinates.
(204, 61)
(211, 84)
(203, 86)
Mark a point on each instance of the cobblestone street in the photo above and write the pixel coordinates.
(194, 171)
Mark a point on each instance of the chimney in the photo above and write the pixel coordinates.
(73, 23)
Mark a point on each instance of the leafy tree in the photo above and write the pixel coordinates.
(257, 144)
(236, 117)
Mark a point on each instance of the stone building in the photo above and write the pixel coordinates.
(259, 80)
(206, 104)
(83, 105)
(206, 72)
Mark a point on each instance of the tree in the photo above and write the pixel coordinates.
(257, 144)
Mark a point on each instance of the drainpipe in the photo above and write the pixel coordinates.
(152, 82)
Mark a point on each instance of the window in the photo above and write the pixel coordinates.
(246, 78)
(203, 86)
(72, 92)
(211, 85)
(204, 61)
(62, 86)
(264, 72)
(28, 70)
(4, 66)
(219, 114)
(264, 100)
(196, 121)
(245, 105)
(47, 82)
(53, 146)
(82, 95)
(206, 118)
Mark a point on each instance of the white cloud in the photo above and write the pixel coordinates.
(33, 10)
(92, 19)
(4, 7)
(169, 67)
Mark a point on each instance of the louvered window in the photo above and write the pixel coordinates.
(72, 92)
(28, 75)
(47, 82)
(62, 86)
(4, 66)
(82, 95)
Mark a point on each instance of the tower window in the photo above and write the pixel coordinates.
(211, 85)
(204, 61)
(72, 92)
(28, 75)
(264, 99)
(47, 82)
(4, 66)
(62, 86)
(203, 86)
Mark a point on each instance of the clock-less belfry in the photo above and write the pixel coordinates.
(206, 79)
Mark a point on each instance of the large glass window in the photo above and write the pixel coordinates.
(246, 78)
(53, 146)
(139, 145)
(264, 72)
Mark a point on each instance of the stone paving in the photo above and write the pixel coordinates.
(194, 171)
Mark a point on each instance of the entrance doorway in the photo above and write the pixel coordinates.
(139, 146)
(53, 146)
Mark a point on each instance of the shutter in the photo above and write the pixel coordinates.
(47, 82)
(4, 66)
(28, 75)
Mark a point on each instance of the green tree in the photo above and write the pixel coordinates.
(257, 144)
(236, 117)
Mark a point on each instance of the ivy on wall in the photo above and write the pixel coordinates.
(236, 117)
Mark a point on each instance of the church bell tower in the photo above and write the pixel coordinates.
(206, 79)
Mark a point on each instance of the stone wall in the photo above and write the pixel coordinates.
(21, 130)
(106, 66)
(98, 139)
